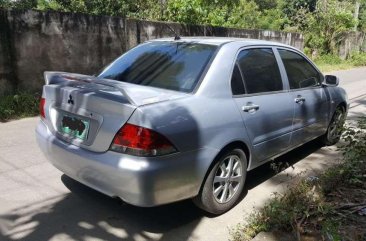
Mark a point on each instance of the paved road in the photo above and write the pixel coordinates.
(37, 202)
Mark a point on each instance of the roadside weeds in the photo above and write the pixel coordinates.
(19, 105)
(331, 206)
(328, 62)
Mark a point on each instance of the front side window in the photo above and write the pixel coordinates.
(260, 70)
(168, 65)
(300, 73)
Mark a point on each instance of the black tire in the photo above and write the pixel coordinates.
(334, 131)
(218, 204)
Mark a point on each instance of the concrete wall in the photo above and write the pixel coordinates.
(8, 78)
(34, 41)
(352, 42)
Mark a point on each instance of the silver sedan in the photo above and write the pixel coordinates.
(186, 118)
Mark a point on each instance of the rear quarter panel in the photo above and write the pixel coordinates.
(195, 123)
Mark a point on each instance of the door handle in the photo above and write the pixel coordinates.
(299, 99)
(250, 108)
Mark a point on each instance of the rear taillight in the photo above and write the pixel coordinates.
(140, 141)
(41, 107)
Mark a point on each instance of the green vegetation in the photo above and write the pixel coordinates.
(330, 207)
(323, 22)
(329, 62)
(21, 104)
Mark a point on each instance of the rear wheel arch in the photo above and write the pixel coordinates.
(232, 145)
(204, 198)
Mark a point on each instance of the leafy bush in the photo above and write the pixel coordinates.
(308, 204)
(352, 171)
(330, 62)
(325, 26)
(358, 59)
(328, 59)
(285, 212)
(21, 104)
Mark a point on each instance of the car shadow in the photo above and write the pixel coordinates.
(266, 171)
(354, 112)
(158, 219)
(86, 213)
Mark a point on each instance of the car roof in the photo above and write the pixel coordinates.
(222, 40)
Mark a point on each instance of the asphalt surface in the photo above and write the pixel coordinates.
(38, 202)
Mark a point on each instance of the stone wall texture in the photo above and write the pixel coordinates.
(352, 42)
(32, 42)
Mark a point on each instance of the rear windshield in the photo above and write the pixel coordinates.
(169, 65)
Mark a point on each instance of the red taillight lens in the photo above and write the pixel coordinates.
(41, 107)
(140, 141)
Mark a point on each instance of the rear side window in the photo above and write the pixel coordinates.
(167, 65)
(300, 73)
(260, 70)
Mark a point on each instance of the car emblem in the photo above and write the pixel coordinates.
(70, 101)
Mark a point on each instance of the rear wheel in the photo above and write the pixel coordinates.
(224, 183)
(335, 127)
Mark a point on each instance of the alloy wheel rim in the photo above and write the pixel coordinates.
(228, 178)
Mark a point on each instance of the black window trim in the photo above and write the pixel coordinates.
(241, 76)
(284, 81)
(307, 59)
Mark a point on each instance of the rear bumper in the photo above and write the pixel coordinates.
(136, 180)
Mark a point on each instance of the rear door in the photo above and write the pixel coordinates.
(265, 105)
(308, 96)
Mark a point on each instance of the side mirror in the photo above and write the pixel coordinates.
(331, 80)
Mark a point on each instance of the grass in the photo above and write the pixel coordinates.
(327, 63)
(329, 207)
(18, 105)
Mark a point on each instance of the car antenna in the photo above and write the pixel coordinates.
(176, 37)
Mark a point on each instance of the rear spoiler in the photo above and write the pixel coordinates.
(62, 77)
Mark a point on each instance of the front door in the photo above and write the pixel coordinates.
(309, 97)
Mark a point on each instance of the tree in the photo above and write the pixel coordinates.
(150, 9)
(245, 15)
(186, 11)
(266, 4)
(362, 17)
(19, 4)
(295, 10)
(327, 24)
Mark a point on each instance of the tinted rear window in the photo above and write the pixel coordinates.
(260, 70)
(168, 65)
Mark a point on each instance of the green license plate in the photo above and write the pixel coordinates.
(74, 127)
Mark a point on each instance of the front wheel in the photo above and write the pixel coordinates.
(224, 183)
(335, 127)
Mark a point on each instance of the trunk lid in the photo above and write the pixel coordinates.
(87, 111)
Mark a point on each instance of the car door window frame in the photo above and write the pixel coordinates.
(236, 64)
(284, 81)
(283, 68)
